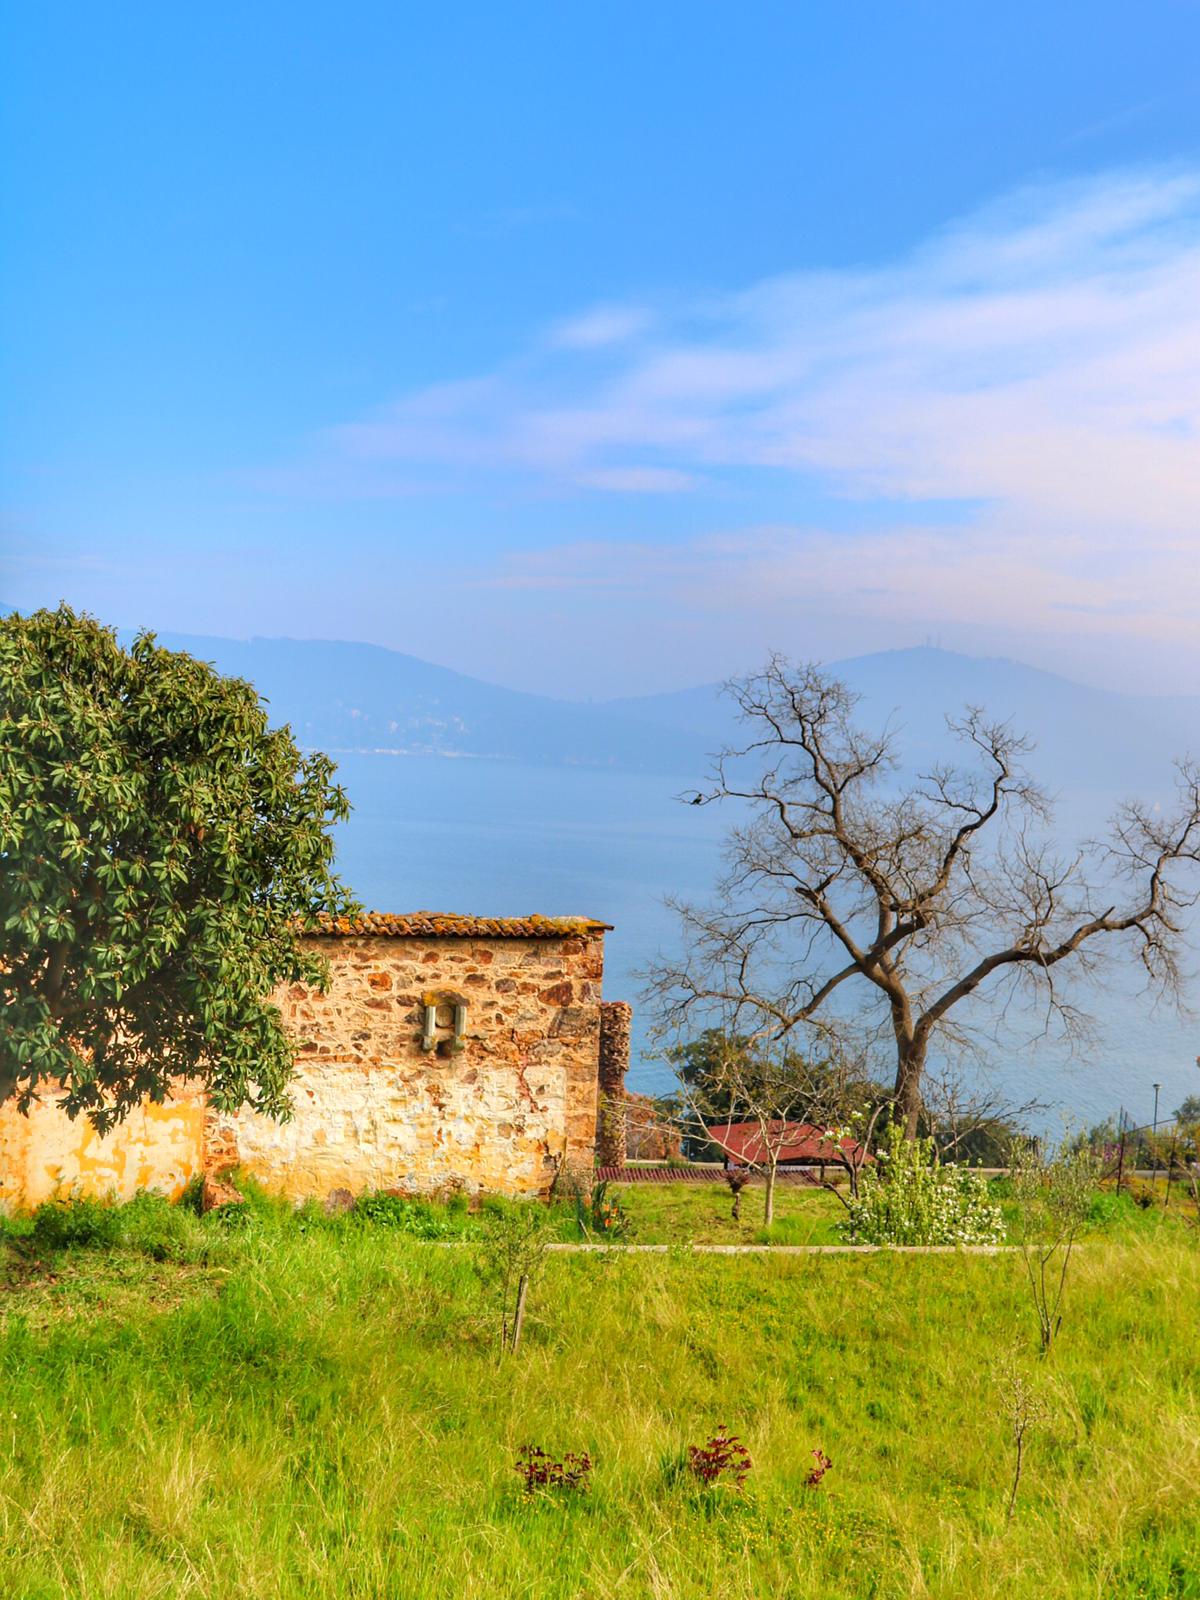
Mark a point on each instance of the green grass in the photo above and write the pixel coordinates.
(700, 1213)
(284, 1406)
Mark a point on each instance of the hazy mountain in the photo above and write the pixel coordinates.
(343, 697)
(577, 812)
(1084, 737)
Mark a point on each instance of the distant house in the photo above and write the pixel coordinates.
(804, 1145)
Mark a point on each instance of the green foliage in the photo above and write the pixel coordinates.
(160, 849)
(911, 1197)
(1108, 1209)
(75, 1224)
(413, 1217)
(148, 1225)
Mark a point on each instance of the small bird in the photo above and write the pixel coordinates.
(699, 800)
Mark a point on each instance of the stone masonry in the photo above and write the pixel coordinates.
(616, 1020)
(449, 1053)
(498, 1094)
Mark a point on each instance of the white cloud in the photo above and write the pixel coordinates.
(600, 327)
(1038, 362)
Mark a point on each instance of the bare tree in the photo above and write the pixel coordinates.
(964, 1119)
(1053, 1191)
(914, 897)
(771, 1090)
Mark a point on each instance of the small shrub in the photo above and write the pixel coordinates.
(514, 1243)
(75, 1224)
(541, 1473)
(1054, 1193)
(723, 1458)
(600, 1213)
(1025, 1409)
(153, 1226)
(911, 1197)
(413, 1217)
(1108, 1209)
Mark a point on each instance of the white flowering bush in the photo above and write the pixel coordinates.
(910, 1197)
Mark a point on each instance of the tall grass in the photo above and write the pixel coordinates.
(284, 1406)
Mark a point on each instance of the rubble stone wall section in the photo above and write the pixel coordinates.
(616, 1021)
(496, 1112)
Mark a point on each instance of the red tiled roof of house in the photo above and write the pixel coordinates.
(450, 925)
(743, 1141)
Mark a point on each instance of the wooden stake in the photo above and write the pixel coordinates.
(519, 1319)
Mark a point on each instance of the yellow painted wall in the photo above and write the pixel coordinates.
(46, 1155)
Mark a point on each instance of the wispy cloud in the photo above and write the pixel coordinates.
(601, 327)
(1038, 361)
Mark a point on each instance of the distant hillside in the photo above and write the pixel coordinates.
(345, 697)
(1084, 736)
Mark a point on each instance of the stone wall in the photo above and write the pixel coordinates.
(616, 1022)
(497, 1112)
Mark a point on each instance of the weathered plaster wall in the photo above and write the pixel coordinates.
(372, 1111)
(45, 1154)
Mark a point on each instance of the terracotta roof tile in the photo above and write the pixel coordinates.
(450, 925)
(743, 1141)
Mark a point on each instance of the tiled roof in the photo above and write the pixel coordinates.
(743, 1141)
(449, 925)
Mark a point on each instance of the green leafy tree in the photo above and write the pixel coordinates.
(161, 850)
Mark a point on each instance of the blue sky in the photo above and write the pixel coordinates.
(597, 349)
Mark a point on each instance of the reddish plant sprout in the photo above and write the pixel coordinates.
(723, 1456)
(539, 1470)
(823, 1464)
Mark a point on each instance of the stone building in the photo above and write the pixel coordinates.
(450, 1052)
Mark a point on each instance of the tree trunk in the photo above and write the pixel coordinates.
(769, 1202)
(910, 1067)
(519, 1318)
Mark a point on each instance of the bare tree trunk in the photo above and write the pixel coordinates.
(910, 1067)
(769, 1202)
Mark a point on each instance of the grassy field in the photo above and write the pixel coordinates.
(699, 1213)
(285, 1406)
